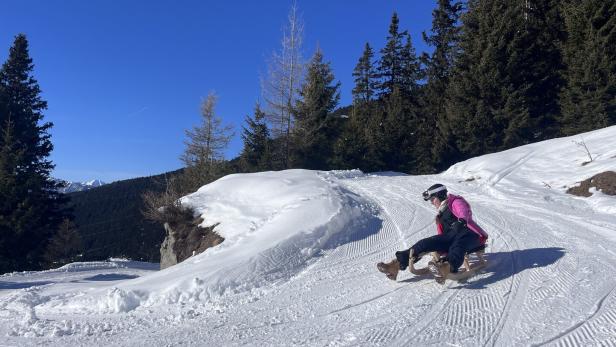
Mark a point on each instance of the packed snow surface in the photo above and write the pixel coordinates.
(297, 266)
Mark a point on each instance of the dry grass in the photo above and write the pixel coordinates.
(604, 182)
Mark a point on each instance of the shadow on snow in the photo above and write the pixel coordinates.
(22, 285)
(110, 277)
(503, 265)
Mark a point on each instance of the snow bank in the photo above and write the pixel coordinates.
(274, 225)
(552, 165)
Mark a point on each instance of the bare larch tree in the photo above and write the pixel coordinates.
(281, 85)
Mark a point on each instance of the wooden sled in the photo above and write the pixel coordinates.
(440, 268)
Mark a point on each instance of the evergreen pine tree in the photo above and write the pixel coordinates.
(534, 70)
(11, 155)
(352, 145)
(473, 96)
(391, 65)
(316, 129)
(394, 129)
(365, 77)
(34, 208)
(255, 155)
(410, 73)
(377, 151)
(395, 142)
(589, 99)
(417, 137)
(65, 246)
(507, 76)
(445, 35)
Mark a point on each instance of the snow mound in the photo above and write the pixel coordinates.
(274, 224)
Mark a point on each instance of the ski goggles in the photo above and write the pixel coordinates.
(429, 193)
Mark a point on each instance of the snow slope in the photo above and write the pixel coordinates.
(298, 264)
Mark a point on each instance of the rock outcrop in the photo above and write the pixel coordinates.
(604, 182)
(185, 239)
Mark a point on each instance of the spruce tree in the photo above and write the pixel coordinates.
(316, 129)
(410, 73)
(473, 97)
(376, 137)
(589, 99)
(534, 72)
(416, 137)
(256, 156)
(365, 77)
(65, 246)
(11, 193)
(34, 207)
(394, 134)
(507, 76)
(395, 140)
(391, 65)
(351, 147)
(445, 35)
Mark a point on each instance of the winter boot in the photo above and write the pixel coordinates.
(440, 270)
(390, 269)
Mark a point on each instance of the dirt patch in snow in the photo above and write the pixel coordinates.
(605, 182)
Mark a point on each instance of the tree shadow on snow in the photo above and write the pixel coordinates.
(22, 285)
(110, 277)
(503, 265)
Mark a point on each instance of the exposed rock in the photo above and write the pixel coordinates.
(185, 239)
(604, 182)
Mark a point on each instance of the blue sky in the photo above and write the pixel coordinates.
(124, 79)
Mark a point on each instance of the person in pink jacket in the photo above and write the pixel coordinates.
(457, 233)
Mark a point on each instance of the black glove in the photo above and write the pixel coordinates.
(459, 225)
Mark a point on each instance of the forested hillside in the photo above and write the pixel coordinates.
(110, 222)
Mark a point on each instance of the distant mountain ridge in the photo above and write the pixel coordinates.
(71, 187)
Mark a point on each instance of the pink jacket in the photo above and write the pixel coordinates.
(461, 209)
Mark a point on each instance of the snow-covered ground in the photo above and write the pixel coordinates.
(297, 266)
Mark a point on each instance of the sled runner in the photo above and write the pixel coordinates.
(439, 267)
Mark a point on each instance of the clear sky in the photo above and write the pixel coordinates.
(124, 79)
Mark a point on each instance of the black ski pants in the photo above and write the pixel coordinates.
(456, 244)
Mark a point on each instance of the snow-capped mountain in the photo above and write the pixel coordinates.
(298, 264)
(71, 187)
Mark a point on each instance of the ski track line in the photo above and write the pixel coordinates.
(441, 303)
(351, 306)
(385, 211)
(376, 243)
(377, 246)
(501, 174)
(519, 287)
(514, 286)
(396, 218)
(596, 309)
(548, 286)
(569, 269)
